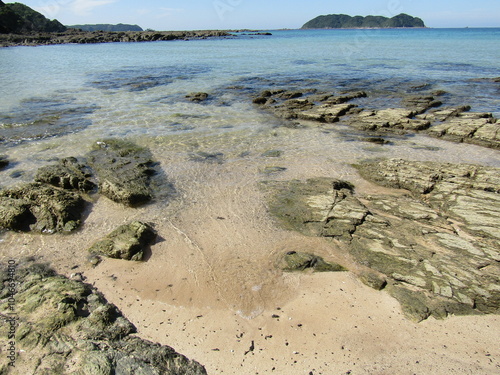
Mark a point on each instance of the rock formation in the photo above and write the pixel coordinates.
(123, 171)
(434, 248)
(128, 242)
(40, 208)
(63, 326)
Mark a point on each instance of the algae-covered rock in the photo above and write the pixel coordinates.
(123, 171)
(126, 242)
(433, 266)
(67, 174)
(63, 326)
(40, 208)
(374, 280)
(319, 206)
(298, 261)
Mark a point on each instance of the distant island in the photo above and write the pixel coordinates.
(121, 27)
(343, 21)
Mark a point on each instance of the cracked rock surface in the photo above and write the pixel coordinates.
(434, 248)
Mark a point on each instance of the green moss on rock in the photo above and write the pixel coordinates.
(126, 242)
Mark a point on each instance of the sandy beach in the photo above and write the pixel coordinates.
(210, 287)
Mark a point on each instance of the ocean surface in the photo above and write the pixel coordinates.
(56, 100)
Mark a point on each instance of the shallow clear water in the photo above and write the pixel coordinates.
(55, 100)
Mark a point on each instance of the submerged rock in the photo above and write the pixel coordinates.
(40, 208)
(123, 171)
(126, 242)
(197, 96)
(297, 261)
(64, 326)
(433, 266)
(4, 161)
(207, 157)
(67, 174)
(325, 108)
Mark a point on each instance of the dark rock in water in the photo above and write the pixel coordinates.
(433, 266)
(126, 242)
(40, 208)
(69, 327)
(17, 174)
(67, 174)
(297, 105)
(377, 140)
(272, 154)
(123, 171)
(272, 169)
(197, 96)
(90, 37)
(420, 104)
(41, 118)
(4, 161)
(208, 157)
(297, 261)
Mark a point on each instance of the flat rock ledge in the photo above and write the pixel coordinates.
(63, 326)
(434, 247)
(417, 114)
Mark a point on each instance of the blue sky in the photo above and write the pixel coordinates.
(261, 14)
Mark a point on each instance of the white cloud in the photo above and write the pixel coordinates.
(85, 7)
(168, 12)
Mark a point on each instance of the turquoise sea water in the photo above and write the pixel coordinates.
(138, 89)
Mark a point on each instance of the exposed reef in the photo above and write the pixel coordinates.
(434, 248)
(423, 114)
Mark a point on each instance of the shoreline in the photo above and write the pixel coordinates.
(237, 178)
(94, 37)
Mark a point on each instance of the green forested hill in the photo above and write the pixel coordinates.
(107, 27)
(17, 18)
